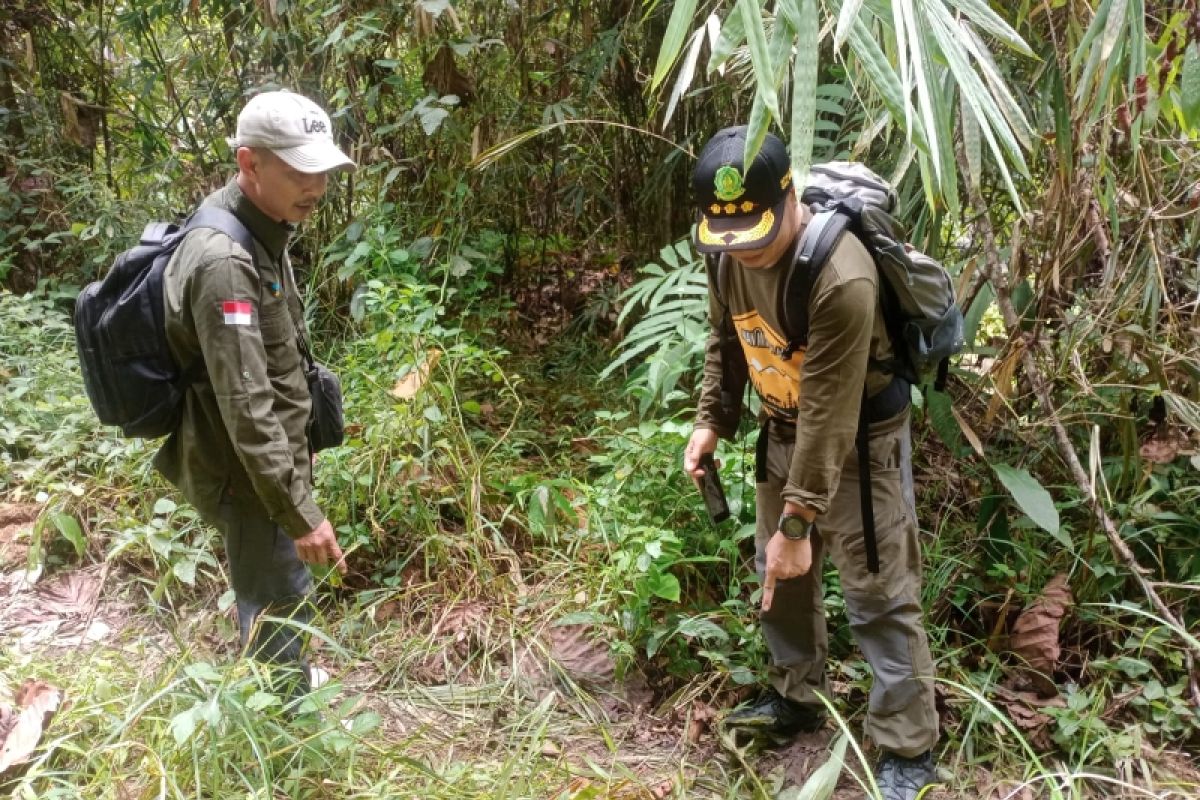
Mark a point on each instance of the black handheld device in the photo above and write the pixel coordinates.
(710, 487)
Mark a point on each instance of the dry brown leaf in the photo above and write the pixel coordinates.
(969, 432)
(407, 387)
(622, 790)
(16, 523)
(37, 701)
(581, 654)
(1035, 633)
(1003, 382)
(1164, 446)
(462, 621)
(73, 593)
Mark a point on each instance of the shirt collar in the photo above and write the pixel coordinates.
(270, 234)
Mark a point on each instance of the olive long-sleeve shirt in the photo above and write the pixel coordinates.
(820, 389)
(244, 429)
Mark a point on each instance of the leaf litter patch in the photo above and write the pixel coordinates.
(63, 610)
(16, 528)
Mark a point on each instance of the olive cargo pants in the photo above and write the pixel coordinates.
(884, 609)
(268, 578)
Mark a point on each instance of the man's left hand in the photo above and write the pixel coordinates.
(785, 559)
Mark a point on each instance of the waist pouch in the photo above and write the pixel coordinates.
(326, 424)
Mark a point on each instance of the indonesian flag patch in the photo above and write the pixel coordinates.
(237, 312)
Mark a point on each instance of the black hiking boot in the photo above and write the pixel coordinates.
(775, 717)
(902, 778)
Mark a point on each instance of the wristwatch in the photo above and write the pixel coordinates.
(794, 527)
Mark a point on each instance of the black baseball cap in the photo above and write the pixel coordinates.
(740, 208)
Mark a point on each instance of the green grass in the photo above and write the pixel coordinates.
(537, 609)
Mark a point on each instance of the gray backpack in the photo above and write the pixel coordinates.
(919, 306)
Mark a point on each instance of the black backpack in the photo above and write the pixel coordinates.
(130, 377)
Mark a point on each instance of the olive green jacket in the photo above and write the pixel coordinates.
(820, 389)
(243, 437)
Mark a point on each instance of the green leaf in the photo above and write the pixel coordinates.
(885, 80)
(941, 417)
(972, 147)
(68, 526)
(164, 506)
(756, 128)
(1114, 27)
(1032, 498)
(677, 28)
(823, 780)
(790, 12)
(846, 19)
(260, 700)
(1189, 86)
(183, 725)
(760, 57)
(804, 91)
(983, 16)
(664, 585)
(704, 629)
(185, 570)
(687, 71)
(203, 672)
(733, 33)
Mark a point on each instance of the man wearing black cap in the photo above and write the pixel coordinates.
(808, 495)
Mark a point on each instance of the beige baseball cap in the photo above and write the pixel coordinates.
(292, 127)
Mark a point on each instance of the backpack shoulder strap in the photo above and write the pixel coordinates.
(224, 221)
(820, 237)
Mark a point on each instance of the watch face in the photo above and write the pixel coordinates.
(794, 527)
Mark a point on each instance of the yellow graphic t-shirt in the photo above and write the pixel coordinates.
(776, 379)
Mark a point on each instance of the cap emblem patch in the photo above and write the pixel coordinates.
(728, 183)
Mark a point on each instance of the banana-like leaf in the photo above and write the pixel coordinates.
(1085, 44)
(983, 16)
(885, 80)
(972, 147)
(756, 129)
(687, 72)
(845, 22)
(677, 28)
(733, 33)
(972, 90)
(1114, 27)
(925, 99)
(948, 36)
(902, 32)
(804, 91)
(823, 780)
(790, 11)
(991, 72)
(1189, 86)
(760, 57)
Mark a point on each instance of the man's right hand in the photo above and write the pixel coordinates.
(704, 440)
(320, 546)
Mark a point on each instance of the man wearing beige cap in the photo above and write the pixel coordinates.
(234, 322)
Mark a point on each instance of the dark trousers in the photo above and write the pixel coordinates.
(268, 579)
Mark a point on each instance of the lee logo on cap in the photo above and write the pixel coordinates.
(315, 126)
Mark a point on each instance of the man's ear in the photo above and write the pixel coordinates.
(247, 160)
